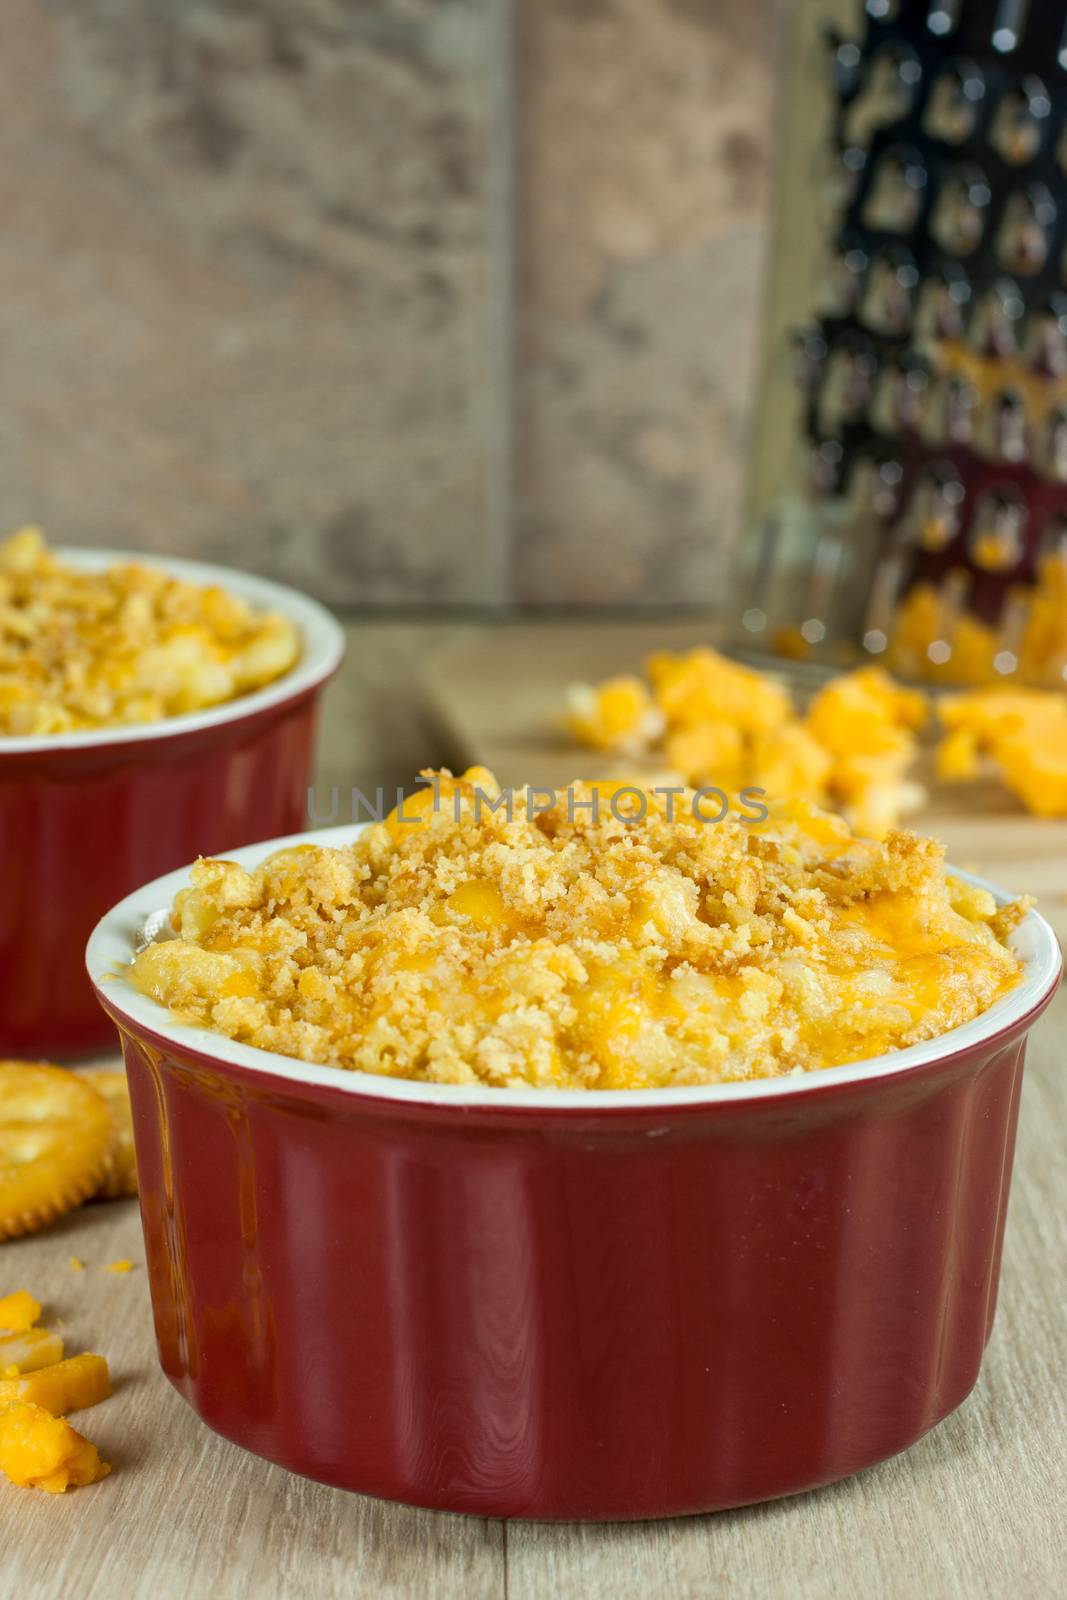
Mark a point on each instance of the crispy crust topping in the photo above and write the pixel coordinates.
(556, 950)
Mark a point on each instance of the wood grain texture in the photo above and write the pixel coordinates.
(974, 1510)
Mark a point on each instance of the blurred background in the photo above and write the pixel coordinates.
(403, 301)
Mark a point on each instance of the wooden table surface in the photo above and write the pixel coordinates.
(975, 1509)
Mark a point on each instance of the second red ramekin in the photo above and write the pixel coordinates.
(85, 817)
(549, 1304)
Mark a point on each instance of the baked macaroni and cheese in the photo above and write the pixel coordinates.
(82, 650)
(640, 947)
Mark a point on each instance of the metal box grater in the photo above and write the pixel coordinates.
(908, 489)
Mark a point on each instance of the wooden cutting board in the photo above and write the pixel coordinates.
(497, 700)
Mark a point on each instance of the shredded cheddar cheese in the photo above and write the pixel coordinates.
(40, 1451)
(18, 1311)
(38, 1447)
(69, 1385)
(709, 720)
(1022, 733)
(26, 1351)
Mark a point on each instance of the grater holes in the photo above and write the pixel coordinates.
(844, 393)
(960, 211)
(1044, 343)
(839, 291)
(895, 191)
(942, 301)
(1001, 430)
(995, 539)
(947, 417)
(1023, 236)
(897, 396)
(1020, 121)
(953, 104)
(995, 321)
(933, 518)
(886, 95)
(1050, 446)
(886, 305)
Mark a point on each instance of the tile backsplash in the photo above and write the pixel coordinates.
(643, 176)
(406, 301)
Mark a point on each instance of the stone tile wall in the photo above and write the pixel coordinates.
(407, 301)
(643, 171)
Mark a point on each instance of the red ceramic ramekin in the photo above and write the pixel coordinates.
(86, 817)
(564, 1305)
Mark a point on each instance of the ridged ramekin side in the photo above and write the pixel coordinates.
(574, 1315)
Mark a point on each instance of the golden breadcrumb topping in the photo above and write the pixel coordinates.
(82, 650)
(558, 950)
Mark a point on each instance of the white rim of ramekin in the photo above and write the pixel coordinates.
(118, 935)
(323, 646)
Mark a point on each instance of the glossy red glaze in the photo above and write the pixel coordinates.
(81, 827)
(574, 1313)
